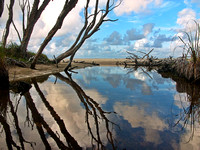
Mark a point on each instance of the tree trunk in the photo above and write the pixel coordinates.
(66, 9)
(69, 52)
(89, 28)
(9, 21)
(31, 21)
(1, 7)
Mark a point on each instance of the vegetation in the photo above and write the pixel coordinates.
(31, 13)
(191, 43)
(13, 51)
(191, 49)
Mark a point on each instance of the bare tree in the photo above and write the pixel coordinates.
(32, 18)
(8, 23)
(89, 28)
(25, 7)
(1, 7)
(69, 5)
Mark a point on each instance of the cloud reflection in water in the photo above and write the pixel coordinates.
(146, 109)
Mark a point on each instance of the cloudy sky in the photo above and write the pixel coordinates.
(141, 26)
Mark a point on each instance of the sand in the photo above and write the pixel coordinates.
(19, 73)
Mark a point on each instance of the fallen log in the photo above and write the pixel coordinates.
(14, 62)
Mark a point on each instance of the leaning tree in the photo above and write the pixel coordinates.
(68, 6)
(9, 21)
(30, 16)
(31, 13)
(92, 24)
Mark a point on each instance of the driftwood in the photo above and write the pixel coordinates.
(179, 66)
(138, 60)
(83, 62)
(11, 61)
(134, 56)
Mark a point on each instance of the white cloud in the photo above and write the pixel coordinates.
(72, 22)
(129, 6)
(185, 17)
(186, 20)
(140, 44)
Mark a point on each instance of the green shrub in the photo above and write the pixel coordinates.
(42, 58)
(13, 51)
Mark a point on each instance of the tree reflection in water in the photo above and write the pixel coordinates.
(92, 109)
(190, 114)
(189, 102)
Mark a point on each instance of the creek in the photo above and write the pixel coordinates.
(101, 107)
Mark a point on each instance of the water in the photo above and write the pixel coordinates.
(102, 107)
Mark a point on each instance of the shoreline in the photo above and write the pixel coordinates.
(18, 73)
(178, 66)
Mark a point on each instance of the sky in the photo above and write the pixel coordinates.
(142, 25)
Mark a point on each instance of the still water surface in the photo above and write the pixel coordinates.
(103, 107)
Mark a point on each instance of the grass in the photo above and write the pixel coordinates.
(13, 51)
(192, 43)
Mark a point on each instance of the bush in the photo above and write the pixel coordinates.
(42, 58)
(13, 51)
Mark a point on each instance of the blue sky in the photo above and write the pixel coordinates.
(141, 26)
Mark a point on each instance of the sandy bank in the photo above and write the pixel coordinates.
(18, 73)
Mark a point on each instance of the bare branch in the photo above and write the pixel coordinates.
(17, 31)
(89, 28)
(66, 9)
(23, 7)
(33, 17)
(147, 54)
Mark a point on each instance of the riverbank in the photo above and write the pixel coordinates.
(18, 73)
(179, 67)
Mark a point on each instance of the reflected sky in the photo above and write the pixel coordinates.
(147, 109)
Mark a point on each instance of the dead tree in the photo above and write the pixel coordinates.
(134, 57)
(146, 54)
(32, 18)
(69, 5)
(25, 7)
(86, 32)
(8, 23)
(88, 29)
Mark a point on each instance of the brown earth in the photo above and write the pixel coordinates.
(19, 73)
